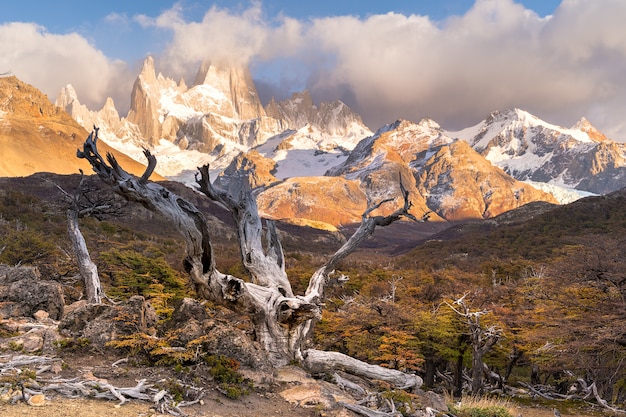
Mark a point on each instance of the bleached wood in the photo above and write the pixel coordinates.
(319, 361)
(282, 321)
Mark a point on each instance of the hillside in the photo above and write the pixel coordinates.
(37, 136)
(565, 260)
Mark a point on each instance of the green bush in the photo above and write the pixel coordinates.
(25, 246)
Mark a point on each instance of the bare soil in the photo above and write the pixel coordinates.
(260, 402)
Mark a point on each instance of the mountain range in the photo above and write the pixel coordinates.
(321, 166)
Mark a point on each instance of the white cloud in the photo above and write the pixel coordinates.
(496, 56)
(50, 61)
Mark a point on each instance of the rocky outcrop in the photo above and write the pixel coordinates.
(442, 174)
(23, 293)
(37, 136)
(102, 323)
(460, 184)
(235, 83)
(332, 200)
(144, 101)
(259, 170)
(333, 118)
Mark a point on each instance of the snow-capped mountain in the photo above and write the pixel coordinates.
(288, 147)
(217, 118)
(530, 149)
(451, 178)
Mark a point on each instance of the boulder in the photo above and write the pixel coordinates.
(102, 323)
(23, 293)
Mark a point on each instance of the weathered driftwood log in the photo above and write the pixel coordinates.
(319, 361)
(282, 321)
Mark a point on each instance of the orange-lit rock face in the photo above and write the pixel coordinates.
(37, 136)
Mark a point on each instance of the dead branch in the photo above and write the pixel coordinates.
(368, 412)
(319, 362)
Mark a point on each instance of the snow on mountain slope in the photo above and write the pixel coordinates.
(531, 149)
(309, 152)
(441, 173)
(216, 119)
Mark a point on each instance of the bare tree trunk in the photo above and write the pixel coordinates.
(481, 339)
(477, 369)
(282, 321)
(86, 267)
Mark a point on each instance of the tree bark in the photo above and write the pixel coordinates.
(282, 321)
(86, 267)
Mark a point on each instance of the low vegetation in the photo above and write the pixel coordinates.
(555, 286)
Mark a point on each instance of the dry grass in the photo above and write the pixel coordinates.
(480, 406)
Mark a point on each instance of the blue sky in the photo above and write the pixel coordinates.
(451, 60)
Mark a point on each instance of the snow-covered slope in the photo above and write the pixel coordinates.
(441, 173)
(216, 119)
(531, 149)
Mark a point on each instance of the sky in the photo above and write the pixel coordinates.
(453, 61)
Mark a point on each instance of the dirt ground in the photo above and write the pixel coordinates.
(260, 402)
(253, 405)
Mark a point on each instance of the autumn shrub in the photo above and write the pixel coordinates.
(73, 345)
(25, 246)
(225, 372)
(403, 401)
(166, 351)
(146, 273)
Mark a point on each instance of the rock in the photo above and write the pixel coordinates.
(26, 336)
(10, 274)
(316, 394)
(433, 400)
(101, 323)
(37, 400)
(6, 396)
(236, 344)
(41, 315)
(190, 319)
(23, 293)
(292, 374)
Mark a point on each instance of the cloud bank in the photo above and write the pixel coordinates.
(496, 56)
(50, 61)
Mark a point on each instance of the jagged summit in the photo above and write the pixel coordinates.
(235, 82)
(148, 72)
(594, 134)
(531, 149)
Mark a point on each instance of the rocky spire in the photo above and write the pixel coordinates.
(235, 82)
(143, 106)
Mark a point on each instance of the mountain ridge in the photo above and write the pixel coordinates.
(292, 140)
(37, 136)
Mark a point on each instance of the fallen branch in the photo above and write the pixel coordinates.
(536, 391)
(602, 401)
(319, 361)
(368, 412)
(91, 388)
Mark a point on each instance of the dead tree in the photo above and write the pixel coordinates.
(81, 205)
(282, 321)
(482, 339)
